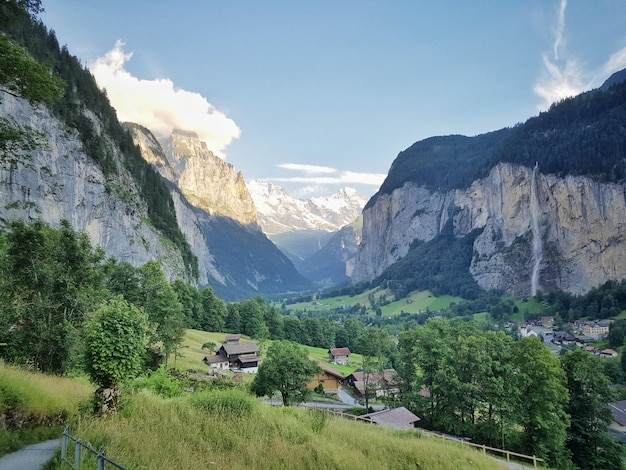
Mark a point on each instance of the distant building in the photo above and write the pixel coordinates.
(397, 418)
(339, 355)
(329, 378)
(234, 354)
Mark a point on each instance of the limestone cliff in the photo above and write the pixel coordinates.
(207, 181)
(234, 256)
(62, 182)
(581, 224)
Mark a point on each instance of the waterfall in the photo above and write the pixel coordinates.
(537, 245)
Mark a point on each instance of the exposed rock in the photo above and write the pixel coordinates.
(62, 182)
(207, 181)
(582, 225)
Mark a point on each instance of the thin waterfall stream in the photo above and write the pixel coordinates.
(537, 244)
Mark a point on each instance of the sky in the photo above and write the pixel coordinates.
(318, 95)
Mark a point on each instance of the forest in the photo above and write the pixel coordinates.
(582, 135)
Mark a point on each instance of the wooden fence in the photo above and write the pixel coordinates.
(531, 458)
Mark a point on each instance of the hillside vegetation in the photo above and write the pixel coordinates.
(29, 399)
(583, 135)
(230, 429)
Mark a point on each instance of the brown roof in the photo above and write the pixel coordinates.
(330, 371)
(214, 359)
(240, 348)
(399, 418)
(375, 379)
(340, 351)
(232, 337)
(246, 358)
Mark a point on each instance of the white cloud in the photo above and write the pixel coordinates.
(159, 105)
(562, 76)
(309, 169)
(322, 175)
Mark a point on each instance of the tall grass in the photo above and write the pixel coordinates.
(230, 429)
(34, 406)
(38, 393)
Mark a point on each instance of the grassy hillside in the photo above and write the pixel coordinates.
(39, 403)
(230, 429)
(190, 355)
(414, 302)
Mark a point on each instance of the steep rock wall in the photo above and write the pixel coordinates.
(62, 182)
(581, 222)
(207, 181)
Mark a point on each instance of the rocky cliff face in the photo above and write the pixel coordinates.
(234, 256)
(207, 181)
(62, 182)
(580, 222)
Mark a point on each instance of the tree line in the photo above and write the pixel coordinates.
(508, 394)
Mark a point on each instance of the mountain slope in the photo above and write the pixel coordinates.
(234, 257)
(92, 174)
(544, 202)
(279, 213)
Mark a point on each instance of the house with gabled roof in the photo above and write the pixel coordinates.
(382, 384)
(328, 377)
(339, 355)
(397, 418)
(234, 354)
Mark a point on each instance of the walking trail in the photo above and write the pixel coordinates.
(32, 457)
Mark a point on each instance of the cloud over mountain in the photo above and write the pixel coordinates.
(159, 105)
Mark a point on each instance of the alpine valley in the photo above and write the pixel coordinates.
(540, 206)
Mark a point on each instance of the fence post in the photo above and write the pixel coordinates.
(66, 431)
(77, 455)
(100, 461)
(534, 461)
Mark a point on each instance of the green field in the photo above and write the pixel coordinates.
(190, 354)
(416, 302)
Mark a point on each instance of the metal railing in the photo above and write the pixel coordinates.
(101, 459)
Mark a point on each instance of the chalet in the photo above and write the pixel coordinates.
(381, 384)
(248, 363)
(329, 378)
(216, 362)
(563, 337)
(618, 413)
(231, 351)
(339, 355)
(229, 354)
(397, 418)
(608, 353)
(617, 427)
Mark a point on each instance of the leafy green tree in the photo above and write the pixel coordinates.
(114, 348)
(286, 369)
(589, 392)
(50, 278)
(543, 397)
(232, 323)
(372, 345)
(160, 302)
(213, 312)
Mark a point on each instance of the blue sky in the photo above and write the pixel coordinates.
(318, 95)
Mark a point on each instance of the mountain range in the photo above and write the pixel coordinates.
(540, 206)
(318, 234)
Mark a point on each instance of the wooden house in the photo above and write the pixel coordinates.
(339, 355)
(329, 378)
